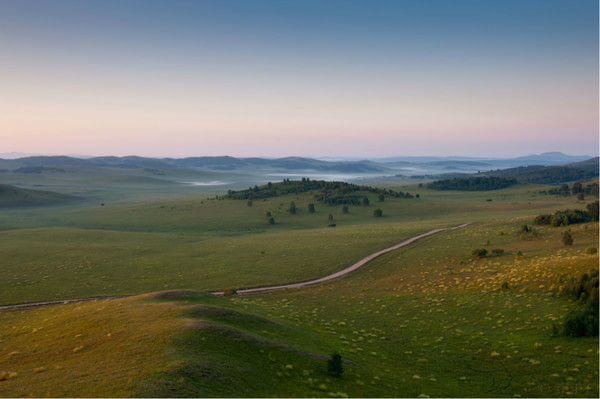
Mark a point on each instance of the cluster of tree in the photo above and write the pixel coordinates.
(583, 320)
(568, 216)
(537, 174)
(577, 189)
(482, 252)
(472, 184)
(331, 193)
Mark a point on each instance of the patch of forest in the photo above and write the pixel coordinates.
(472, 184)
(545, 174)
(331, 193)
(568, 216)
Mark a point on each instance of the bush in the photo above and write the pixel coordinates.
(582, 322)
(345, 209)
(480, 252)
(271, 221)
(229, 292)
(334, 365)
(311, 208)
(542, 219)
(591, 250)
(378, 212)
(567, 239)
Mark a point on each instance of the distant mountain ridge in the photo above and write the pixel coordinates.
(215, 163)
(388, 166)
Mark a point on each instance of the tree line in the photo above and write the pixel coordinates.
(331, 193)
(472, 183)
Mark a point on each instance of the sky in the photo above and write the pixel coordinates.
(306, 78)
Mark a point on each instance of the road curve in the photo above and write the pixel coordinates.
(256, 290)
(345, 271)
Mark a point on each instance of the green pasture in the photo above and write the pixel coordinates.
(425, 320)
(65, 252)
(428, 319)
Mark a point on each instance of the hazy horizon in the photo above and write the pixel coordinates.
(353, 78)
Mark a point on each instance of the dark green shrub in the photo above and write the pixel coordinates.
(345, 209)
(480, 252)
(378, 212)
(567, 239)
(591, 250)
(334, 365)
(311, 208)
(542, 219)
(582, 322)
(271, 221)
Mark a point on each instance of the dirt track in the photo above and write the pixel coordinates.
(345, 271)
(256, 290)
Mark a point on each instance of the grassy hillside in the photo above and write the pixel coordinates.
(428, 319)
(11, 196)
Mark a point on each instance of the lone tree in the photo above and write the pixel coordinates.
(365, 201)
(271, 220)
(334, 365)
(378, 212)
(567, 239)
(311, 208)
(292, 208)
(480, 252)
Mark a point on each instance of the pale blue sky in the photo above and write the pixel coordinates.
(314, 78)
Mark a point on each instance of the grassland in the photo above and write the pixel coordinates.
(427, 319)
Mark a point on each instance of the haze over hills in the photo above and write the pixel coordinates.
(295, 163)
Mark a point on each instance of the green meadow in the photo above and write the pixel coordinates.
(428, 319)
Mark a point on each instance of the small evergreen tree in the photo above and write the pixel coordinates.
(311, 208)
(292, 208)
(330, 217)
(334, 365)
(271, 221)
(345, 209)
(567, 239)
(378, 212)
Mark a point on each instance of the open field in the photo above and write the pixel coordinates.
(427, 319)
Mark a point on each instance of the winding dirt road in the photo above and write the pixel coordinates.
(345, 271)
(339, 274)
